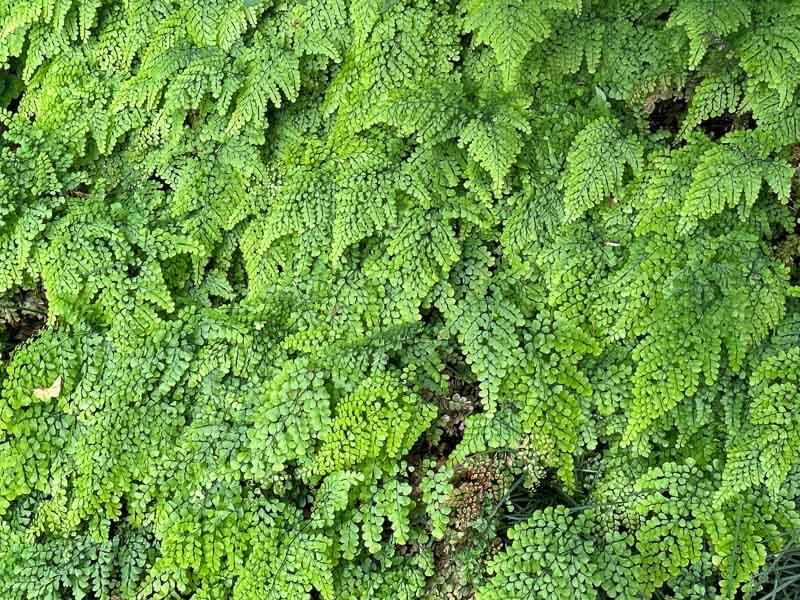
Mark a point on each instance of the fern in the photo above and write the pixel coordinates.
(708, 23)
(596, 166)
(397, 299)
(511, 27)
(733, 171)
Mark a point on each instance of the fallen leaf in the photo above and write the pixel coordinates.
(49, 392)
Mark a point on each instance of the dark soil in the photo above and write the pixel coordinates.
(22, 316)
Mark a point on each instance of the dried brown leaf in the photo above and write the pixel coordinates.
(51, 392)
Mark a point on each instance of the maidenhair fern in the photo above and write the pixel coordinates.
(398, 299)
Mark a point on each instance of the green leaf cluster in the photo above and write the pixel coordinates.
(370, 299)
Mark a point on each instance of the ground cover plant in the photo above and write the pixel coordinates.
(398, 299)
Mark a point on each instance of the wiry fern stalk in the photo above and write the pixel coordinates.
(780, 577)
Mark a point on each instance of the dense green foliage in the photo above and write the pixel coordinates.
(397, 299)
